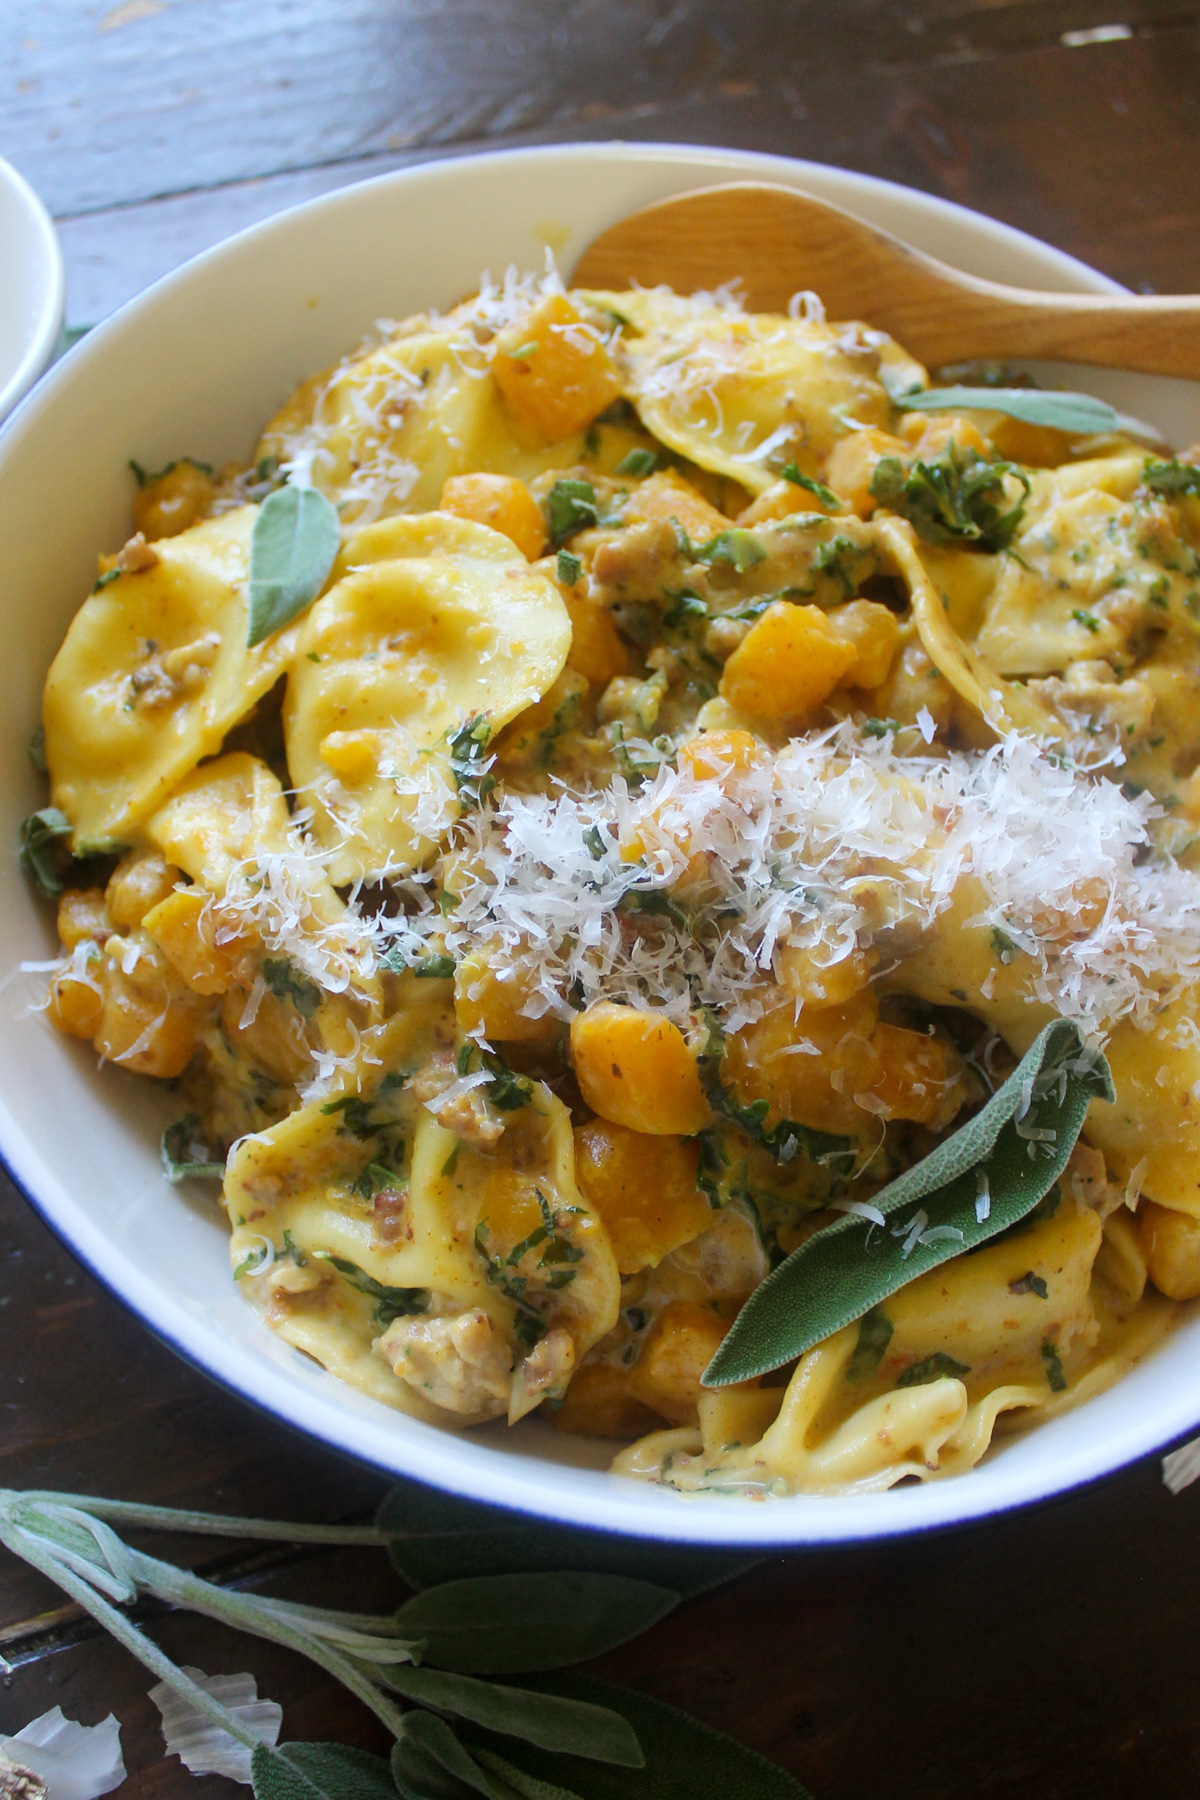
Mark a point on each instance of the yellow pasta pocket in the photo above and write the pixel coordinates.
(437, 635)
(153, 673)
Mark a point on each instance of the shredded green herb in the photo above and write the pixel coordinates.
(931, 1368)
(825, 495)
(637, 462)
(956, 499)
(286, 983)
(570, 507)
(44, 856)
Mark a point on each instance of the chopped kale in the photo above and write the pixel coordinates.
(44, 856)
(357, 1117)
(956, 499)
(637, 462)
(931, 1368)
(825, 495)
(434, 968)
(286, 983)
(185, 1155)
(570, 507)
(390, 1302)
(874, 1335)
(837, 559)
(1052, 1362)
(1170, 478)
(738, 547)
(469, 761)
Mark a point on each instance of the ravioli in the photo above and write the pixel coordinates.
(153, 673)
(383, 433)
(744, 394)
(436, 626)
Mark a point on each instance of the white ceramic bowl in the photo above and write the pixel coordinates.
(196, 365)
(31, 287)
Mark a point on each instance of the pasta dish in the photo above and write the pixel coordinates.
(653, 848)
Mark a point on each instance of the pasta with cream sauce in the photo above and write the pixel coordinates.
(697, 781)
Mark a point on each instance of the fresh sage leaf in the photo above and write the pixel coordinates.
(509, 1777)
(429, 1762)
(434, 1537)
(292, 548)
(570, 507)
(44, 857)
(684, 1759)
(1013, 1150)
(549, 1720)
(319, 1772)
(1082, 414)
(519, 1624)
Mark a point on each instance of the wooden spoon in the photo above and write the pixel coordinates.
(777, 242)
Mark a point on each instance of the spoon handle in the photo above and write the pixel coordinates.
(1157, 334)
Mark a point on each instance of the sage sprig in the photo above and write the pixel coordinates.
(1081, 414)
(455, 1735)
(295, 539)
(516, 1624)
(988, 1175)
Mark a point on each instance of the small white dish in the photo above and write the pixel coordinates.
(195, 366)
(31, 287)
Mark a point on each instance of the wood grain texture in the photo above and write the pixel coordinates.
(156, 138)
(1047, 1656)
(776, 243)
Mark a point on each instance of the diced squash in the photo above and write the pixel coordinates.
(1171, 1245)
(643, 1188)
(807, 1069)
(914, 1073)
(634, 1068)
(817, 985)
(502, 502)
(599, 1403)
(184, 929)
(853, 462)
(668, 496)
(717, 754)
(75, 1004)
(484, 1000)
(173, 501)
(138, 883)
(141, 1030)
(788, 663)
(598, 651)
(679, 1347)
(82, 914)
(874, 633)
(554, 370)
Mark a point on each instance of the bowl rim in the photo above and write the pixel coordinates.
(50, 323)
(448, 1459)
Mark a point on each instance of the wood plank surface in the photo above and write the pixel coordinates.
(1046, 1655)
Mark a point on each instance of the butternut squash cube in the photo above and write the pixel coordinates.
(1171, 1245)
(599, 1403)
(668, 496)
(787, 665)
(873, 631)
(635, 1069)
(502, 502)
(598, 651)
(184, 929)
(679, 1347)
(554, 370)
(644, 1190)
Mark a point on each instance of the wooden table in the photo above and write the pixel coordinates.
(1047, 1655)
